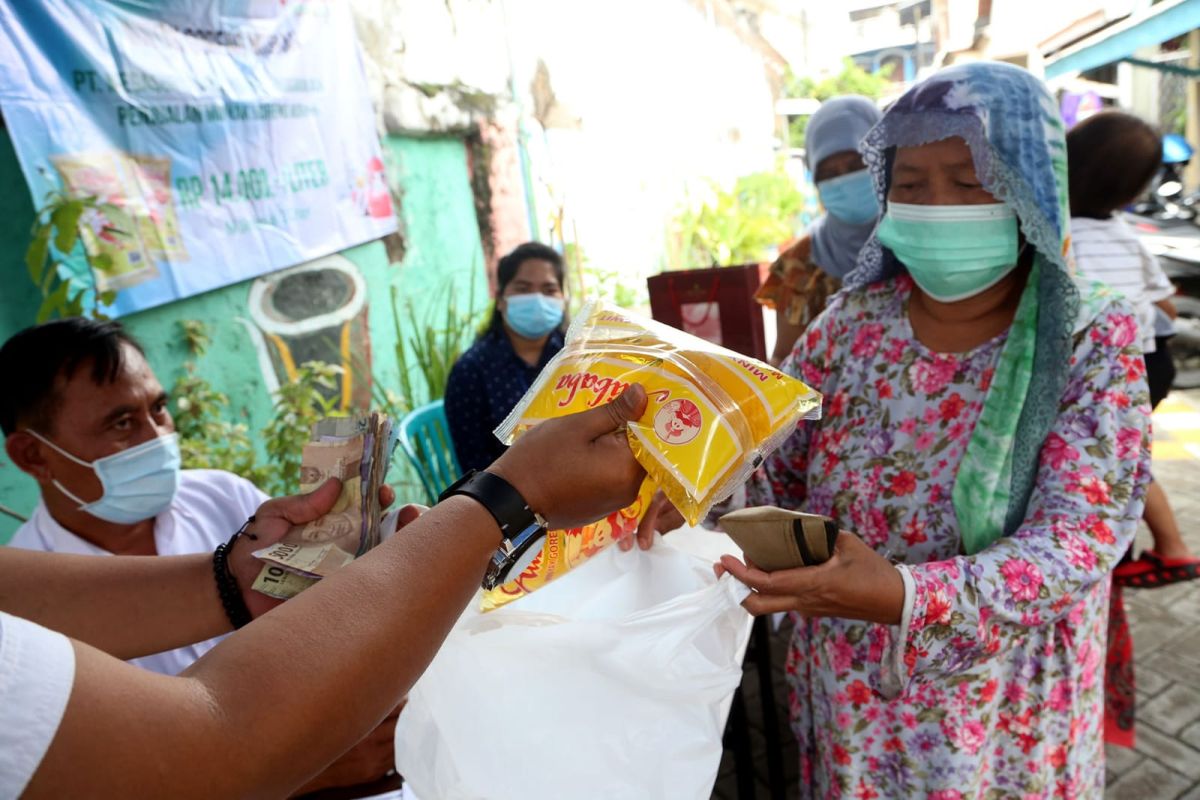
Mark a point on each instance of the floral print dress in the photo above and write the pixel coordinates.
(992, 686)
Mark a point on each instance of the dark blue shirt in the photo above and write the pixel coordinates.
(485, 384)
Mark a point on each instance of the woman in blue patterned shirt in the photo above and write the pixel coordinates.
(525, 332)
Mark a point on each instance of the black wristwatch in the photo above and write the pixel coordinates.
(520, 525)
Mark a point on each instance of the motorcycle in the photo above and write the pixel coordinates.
(1165, 199)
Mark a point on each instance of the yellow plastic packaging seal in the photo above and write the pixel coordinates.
(713, 415)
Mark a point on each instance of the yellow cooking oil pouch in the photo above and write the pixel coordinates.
(713, 415)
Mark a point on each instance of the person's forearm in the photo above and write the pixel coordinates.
(277, 701)
(379, 625)
(127, 606)
(1168, 307)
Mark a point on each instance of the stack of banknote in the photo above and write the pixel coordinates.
(356, 451)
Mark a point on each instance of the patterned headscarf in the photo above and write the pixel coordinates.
(1011, 123)
(839, 124)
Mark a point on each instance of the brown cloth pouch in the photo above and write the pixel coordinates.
(777, 539)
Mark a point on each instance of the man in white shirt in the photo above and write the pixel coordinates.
(85, 416)
(87, 392)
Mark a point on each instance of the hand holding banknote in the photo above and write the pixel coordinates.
(355, 451)
(274, 519)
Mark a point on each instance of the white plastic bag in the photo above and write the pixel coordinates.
(613, 682)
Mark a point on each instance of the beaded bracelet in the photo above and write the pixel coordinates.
(227, 588)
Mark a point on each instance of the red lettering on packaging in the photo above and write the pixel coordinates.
(605, 390)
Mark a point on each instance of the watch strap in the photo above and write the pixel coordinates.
(520, 526)
(498, 496)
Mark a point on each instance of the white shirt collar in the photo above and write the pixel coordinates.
(58, 539)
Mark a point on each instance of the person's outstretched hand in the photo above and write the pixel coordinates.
(661, 516)
(576, 469)
(272, 520)
(857, 583)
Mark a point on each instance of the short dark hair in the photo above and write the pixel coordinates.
(510, 264)
(1111, 158)
(35, 359)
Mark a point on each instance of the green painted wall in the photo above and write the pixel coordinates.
(443, 253)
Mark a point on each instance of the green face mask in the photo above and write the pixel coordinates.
(952, 252)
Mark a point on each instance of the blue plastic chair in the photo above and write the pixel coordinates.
(425, 439)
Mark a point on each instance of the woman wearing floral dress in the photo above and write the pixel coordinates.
(985, 437)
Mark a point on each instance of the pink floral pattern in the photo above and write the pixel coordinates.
(994, 687)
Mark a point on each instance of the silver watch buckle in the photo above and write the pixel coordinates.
(509, 551)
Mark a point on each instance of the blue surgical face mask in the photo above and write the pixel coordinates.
(138, 483)
(533, 315)
(850, 198)
(952, 252)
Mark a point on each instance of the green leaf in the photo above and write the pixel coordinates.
(74, 307)
(101, 262)
(35, 256)
(48, 277)
(928, 715)
(65, 220)
(970, 593)
(55, 301)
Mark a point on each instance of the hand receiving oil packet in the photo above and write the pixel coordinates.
(713, 414)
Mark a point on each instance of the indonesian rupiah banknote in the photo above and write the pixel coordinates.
(356, 451)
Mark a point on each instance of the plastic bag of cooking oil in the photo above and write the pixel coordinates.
(713, 415)
(562, 550)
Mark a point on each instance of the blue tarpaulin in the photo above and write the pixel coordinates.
(1153, 26)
